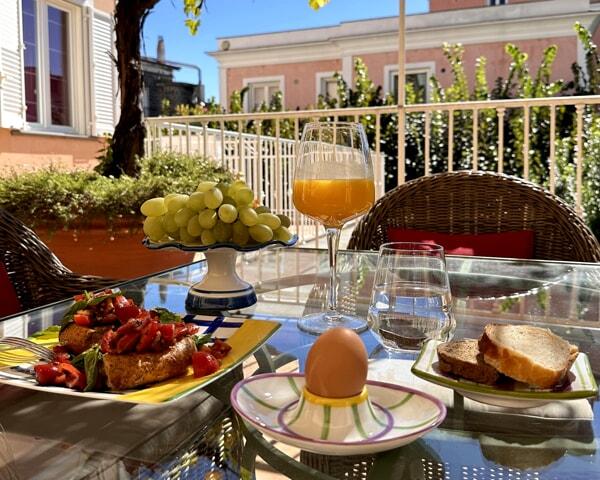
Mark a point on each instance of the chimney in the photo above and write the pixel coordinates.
(160, 49)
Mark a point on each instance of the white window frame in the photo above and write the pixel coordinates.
(411, 68)
(76, 76)
(319, 78)
(497, 5)
(246, 82)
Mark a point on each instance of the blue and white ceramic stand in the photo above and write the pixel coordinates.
(221, 288)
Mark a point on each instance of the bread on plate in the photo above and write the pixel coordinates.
(462, 358)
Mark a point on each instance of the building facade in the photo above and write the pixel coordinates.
(301, 63)
(58, 85)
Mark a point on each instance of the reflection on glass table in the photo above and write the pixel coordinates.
(46, 433)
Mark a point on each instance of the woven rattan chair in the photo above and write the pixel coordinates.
(480, 202)
(36, 273)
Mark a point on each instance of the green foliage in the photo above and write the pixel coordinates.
(52, 197)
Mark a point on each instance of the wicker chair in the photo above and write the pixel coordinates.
(480, 202)
(36, 273)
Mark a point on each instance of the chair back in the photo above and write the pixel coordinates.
(470, 202)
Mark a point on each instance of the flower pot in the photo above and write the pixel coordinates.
(110, 250)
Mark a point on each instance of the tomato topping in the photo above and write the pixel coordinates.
(105, 342)
(74, 378)
(60, 373)
(192, 329)
(220, 349)
(204, 364)
(127, 342)
(82, 319)
(148, 336)
(120, 301)
(167, 331)
(127, 312)
(46, 373)
(79, 297)
(180, 330)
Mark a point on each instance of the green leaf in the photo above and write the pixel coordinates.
(166, 316)
(202, 339)
(92, 358)
(89, 301)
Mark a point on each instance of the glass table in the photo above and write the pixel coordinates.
(55, 436)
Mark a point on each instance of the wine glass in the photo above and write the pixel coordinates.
(411, 301)
(333, 183)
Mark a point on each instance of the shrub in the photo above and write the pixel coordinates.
(55, 198)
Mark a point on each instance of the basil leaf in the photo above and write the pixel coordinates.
(202, 339)
(79, 361)
(92, 358)
(90, 300)
(166, 316)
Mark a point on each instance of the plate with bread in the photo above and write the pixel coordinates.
(515, 366)
(109, 348)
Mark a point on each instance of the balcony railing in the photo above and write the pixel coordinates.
(266, 161)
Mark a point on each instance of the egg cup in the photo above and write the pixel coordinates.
(350, 419)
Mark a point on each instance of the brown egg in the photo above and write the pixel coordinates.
(336, 365)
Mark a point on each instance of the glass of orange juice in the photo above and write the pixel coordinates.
(333, 184)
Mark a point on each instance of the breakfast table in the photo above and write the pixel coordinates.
(47, 436)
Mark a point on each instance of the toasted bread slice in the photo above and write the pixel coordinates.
(462, 358)
(528, 354)
(130, 370)
(77, 339)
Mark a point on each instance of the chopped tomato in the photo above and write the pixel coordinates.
(124, 313)
(74, 378)
(106, 341)
(180, 330)
(79, 297)
(220, 349)
(127, 342)
(192, 329)
(133, 325)
(204, 364)
(148, 336)
(167, 331)
(82, 319)
(46, 373)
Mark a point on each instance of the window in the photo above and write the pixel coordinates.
(417, 75)
(327, 85)
(494, 3)
(260, 92)
(47, 63)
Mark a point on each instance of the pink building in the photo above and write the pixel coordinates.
(301, 63)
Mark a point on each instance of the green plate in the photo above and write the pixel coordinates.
(580, 383)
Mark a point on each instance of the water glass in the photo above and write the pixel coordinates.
(411, 301)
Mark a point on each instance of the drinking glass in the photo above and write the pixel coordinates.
(333, 183)
(411, 300)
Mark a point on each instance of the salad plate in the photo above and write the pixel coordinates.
(580, 383)
(221, 288)
(244, 340)
(272, 403)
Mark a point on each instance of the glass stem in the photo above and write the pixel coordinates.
(333, 240)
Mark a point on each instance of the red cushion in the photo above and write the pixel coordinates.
(9, 302)
(518, 244)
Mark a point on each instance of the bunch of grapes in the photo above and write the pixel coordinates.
(214, 213)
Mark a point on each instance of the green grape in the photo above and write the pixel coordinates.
(168, 223)
(244, 196)
(207, 219)
(248, 216)
(270, 220)
(176, 202)
(155, 207)
(261, 233)
(153, 228)
(196, 201)
(227, 200)
(282, 234)
(174, 235)
(222, 231)
(285, 220)
(208, 237)
(185, 236)
(240, 233)
(206, 186)
(182, 216)
(228, 213)
(262, 209)
(224, 187)
(193, 227)
(213, 198)
(235, 186)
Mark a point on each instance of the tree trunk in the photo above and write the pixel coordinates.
(128, 139)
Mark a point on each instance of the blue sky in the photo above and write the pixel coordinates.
(222, 18)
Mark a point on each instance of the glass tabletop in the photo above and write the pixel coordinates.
(44, 431)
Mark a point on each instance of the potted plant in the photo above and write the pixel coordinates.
(93, 223)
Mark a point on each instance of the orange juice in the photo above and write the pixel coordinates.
(334, 202)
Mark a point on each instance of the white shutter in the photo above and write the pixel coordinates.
(103, 73)
(11, 66)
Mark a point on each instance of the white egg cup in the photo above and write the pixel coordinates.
(351, 419)
(221, 288)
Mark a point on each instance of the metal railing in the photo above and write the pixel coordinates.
(266, 161)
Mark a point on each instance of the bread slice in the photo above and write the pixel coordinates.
(462, 358)
(528, 354)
